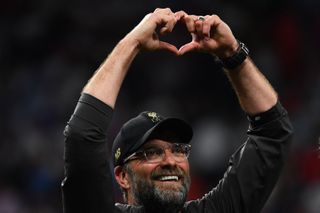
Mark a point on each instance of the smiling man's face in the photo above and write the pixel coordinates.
(163, 185)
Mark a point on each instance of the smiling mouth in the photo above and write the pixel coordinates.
(168, 178)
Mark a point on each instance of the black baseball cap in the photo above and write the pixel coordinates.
(146, 126)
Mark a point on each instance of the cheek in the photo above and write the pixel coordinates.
(144, 170)
(185, 167)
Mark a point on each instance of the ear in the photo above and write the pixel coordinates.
(122, 177)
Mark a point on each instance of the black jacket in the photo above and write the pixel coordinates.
(250, 177)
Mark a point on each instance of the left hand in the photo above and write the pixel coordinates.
(209, 34)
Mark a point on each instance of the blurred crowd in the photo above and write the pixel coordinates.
(49, 49)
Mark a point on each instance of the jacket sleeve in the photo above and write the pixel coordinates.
(254, 168)
(87, 186)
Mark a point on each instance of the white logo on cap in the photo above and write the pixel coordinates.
(117, 154)
(153, 116)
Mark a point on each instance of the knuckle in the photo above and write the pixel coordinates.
(187, 19)
(167, 9)
(215, 16)
(181, 12)
(193, 17)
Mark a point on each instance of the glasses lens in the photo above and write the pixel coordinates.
(180, 151)
(154, 154)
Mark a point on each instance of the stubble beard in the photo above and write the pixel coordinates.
(159, 197)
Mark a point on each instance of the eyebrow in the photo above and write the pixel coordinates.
(149, 146)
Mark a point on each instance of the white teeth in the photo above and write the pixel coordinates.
(163, 178)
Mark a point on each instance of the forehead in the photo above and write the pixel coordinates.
(155, 142)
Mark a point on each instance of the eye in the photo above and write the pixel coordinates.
(179, 149)
(152, 153)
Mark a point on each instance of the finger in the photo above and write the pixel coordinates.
(169, 22)
(180, 14)
(167, 46)
(189, 21)
(199, 27)
(167, 28)
(188, 48)
(206, 27)
(164, 16)
(166, 11)
(213, 21)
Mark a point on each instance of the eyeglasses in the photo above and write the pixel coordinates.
(156, 154)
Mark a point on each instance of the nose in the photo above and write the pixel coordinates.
(168, 158)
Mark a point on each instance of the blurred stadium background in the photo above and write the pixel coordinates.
(50, 48)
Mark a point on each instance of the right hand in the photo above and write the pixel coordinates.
(145, 32)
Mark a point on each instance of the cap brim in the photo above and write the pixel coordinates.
(171, 130)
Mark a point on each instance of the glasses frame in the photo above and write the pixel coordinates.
(142, 153)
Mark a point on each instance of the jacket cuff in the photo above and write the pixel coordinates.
(93, 111)
(276, 112)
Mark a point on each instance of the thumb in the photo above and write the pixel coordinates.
(167, 46)
(188, 47)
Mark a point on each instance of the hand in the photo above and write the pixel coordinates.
(209, 34)
(145, 32)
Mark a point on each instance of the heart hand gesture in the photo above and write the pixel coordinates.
(209, 33)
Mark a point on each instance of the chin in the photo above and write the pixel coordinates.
(171, 193)
(169, 186)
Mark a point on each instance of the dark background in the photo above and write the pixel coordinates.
(49, 49)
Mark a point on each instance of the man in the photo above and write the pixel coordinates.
(150, 152)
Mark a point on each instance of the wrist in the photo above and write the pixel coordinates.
(131, 42)
(237, 58)
(230, 51)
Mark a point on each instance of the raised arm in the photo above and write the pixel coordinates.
(87, 186)
(254, 168)
(210, 34)
(106, 82)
